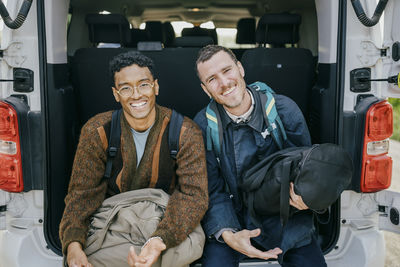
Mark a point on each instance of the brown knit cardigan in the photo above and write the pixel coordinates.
(87, 188)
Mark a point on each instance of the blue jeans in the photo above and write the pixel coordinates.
(218, 254)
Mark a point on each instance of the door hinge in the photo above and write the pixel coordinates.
(4, 200)
(23, 80)
(390, 212)
(360, 80)
(388, 206)
(370, 53)
(12, 55)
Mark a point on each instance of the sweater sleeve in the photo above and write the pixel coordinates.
(86, 190)
(189, 201)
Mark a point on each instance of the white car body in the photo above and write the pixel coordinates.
(360, 241)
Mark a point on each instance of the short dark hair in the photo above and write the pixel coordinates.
(208, 51)
(127, 59)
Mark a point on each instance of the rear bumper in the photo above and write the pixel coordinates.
(26, 248)
(361, 248)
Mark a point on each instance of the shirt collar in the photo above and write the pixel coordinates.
(245, 117)
(256, 119)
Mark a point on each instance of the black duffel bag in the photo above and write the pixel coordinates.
(320, 174)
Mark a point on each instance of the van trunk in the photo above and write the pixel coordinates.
(78, 90)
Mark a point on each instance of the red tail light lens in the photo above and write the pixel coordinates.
(376, 172)
(10, 152)
(380, 121)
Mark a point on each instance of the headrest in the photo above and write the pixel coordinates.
(213, 34)
(193, 41)
(198, 31)
(195, 31)
(246, 31)
(278, 29)
(168, 33)
(138, 35)
(155, 31)
(108, 28)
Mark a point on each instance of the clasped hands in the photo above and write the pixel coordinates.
(240, 241)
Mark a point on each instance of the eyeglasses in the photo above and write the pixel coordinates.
(142, 88)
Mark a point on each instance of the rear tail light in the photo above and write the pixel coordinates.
(376, 171)
(10, 150)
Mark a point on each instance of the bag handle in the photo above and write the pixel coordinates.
(114, 142)
(175, 125)
(284, 197)
(252, 212)
(285, 188)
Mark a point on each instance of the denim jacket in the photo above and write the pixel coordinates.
(243, 145)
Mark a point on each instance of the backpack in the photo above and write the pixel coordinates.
(175, 125)
(271, 118)
(320, 173)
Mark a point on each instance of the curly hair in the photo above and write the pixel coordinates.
(127, 59)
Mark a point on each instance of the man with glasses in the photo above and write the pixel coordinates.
(142, 160)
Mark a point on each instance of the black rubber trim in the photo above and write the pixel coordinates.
(41, 23)
(340, 78)
(341, 64)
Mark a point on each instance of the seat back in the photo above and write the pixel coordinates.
(288, 71)
(174, 67)
(138, 35)
(179, 85)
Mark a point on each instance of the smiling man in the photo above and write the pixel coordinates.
(245, 141)
(143, 161)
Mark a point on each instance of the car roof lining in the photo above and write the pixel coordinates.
(172, 10)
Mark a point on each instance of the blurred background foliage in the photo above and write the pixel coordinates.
(396, 118)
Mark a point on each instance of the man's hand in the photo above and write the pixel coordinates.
(76, 257)
(296, 200)
(148, 255)
(240, 241)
